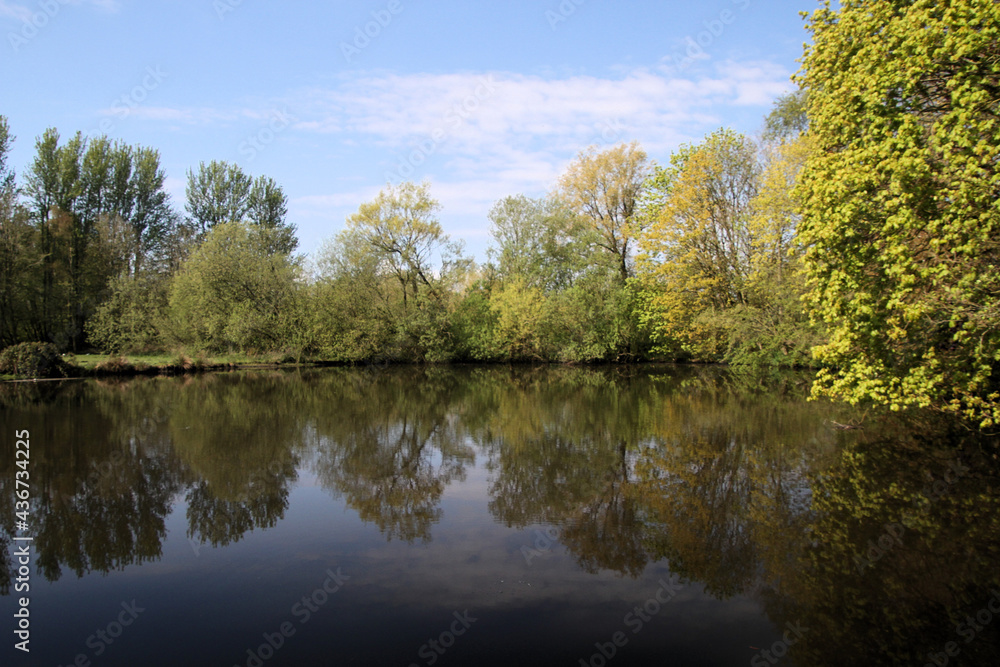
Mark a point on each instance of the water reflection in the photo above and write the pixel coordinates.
(880, 541)
(391, 449)
(240, 436)
(903, 547)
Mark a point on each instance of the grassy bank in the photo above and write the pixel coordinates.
(102, 365)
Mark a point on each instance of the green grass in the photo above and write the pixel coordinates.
(151, 362)
(90, 361)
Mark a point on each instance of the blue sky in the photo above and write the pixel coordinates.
(332, 99)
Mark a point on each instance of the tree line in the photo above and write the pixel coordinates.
(95, 256)
(857, 233)
(92, 224)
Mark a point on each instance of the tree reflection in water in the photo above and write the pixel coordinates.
(391, 448)
(741, 485)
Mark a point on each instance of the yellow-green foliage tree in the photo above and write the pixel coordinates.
(520, 311)
(773, 326)
(398, 236)
(604, 188)
(697, 249)
(720, 274)
(902, 202)
(401, 227)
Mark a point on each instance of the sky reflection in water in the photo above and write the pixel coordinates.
(659, 515)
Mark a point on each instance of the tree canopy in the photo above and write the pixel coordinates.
(902, 202)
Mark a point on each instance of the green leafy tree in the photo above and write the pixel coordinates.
(150, 216)
(218, 192)
(130, 319)
(99, 209)
(902, 202)
(18, 253)
(267, 209)
(789, 118)
(353, 303)
(538, 240)
(221, 192)
(234, 293)
(52, 187)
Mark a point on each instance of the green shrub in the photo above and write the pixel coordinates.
(33, 360)
(128, 321)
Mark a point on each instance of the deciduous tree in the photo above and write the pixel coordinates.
(902, 202)
(537, 240)
(234, 293)
(698, 250)
(604, 188)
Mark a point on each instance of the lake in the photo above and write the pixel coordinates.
(651, 515)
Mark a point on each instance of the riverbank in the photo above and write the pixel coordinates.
(100, 365)
(50, 365)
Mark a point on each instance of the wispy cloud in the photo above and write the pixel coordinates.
(15, 11)
(25, 12)
(481, 136)
(531, 113)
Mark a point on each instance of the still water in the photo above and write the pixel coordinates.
(491, 516)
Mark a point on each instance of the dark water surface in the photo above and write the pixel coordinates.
(492, 516)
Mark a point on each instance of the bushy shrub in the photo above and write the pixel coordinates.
(34, 360)
(128, 321)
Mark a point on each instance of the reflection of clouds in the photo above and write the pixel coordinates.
(473, 560)
(330, 467)
(475, 563)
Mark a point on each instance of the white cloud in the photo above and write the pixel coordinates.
(756, 83)
(15, 11)
(481, 136)
(488, 116)
(24, 13)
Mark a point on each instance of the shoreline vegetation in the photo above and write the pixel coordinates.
(858, 234)
(83, 366)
